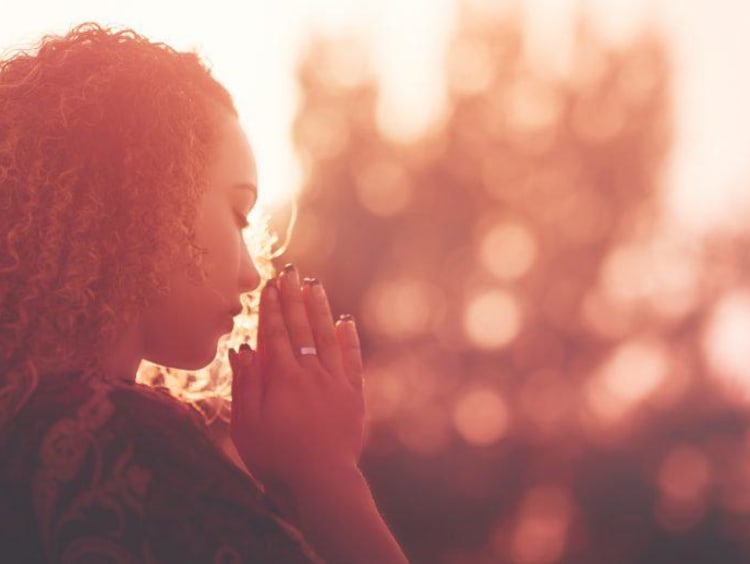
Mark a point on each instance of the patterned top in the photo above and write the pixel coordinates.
(95, 471)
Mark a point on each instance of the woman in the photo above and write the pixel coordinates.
(125, 181)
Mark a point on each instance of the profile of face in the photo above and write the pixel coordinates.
(182, 330)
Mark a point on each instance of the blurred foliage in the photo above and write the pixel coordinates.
(541, 380)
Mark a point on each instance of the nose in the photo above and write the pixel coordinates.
(249, 275)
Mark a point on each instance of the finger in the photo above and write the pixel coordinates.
(295, 313)
(272, 327)
(351, 350)
(321, 322)
(252, 385)
(260, 352)
(236, 377)
(247, 390)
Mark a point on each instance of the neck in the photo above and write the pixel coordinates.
(127, 354)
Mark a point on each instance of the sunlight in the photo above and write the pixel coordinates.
(492, 319)
(726, 342)
(633, 373)
(481, 416)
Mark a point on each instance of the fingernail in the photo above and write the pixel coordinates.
(346, 317)
(311, 281)
(289, 268)
(245, 347)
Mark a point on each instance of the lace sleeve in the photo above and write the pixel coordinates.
(131, 478)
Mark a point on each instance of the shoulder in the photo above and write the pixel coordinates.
(129, 469)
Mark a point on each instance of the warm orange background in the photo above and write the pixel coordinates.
(539, 224)
(557, 366)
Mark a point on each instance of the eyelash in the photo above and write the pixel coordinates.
(242, 221)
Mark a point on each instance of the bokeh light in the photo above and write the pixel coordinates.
(541, 532)
(538, 216)
(481, 416)
(492, 319)
(553, 361)
(727, 340)
(403, 307)
(507, 250)
(630, 375)
(384, 188)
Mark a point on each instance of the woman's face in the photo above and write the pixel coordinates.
(182, 330)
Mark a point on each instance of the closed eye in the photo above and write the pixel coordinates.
(242, 221)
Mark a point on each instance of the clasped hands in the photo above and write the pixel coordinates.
(298, 418)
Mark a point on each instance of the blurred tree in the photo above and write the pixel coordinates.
(533, 341)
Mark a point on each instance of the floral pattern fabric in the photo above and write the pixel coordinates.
(95, 471)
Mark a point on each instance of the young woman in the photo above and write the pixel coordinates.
(125, 181)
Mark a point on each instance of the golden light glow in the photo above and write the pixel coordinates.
(492, 319)
(606, 316)
(622, 274)
(507, 250)
(533, 106)
(384, 188)
(402, 308)
(726, 343)
(481, 416)
(632, 373)
(319, 240)
(324, 133)
(541, 532)
(659, 274)
(470, 67)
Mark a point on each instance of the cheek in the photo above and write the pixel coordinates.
(188, 320)
(185, 327)
(222, 244)
(183, 337)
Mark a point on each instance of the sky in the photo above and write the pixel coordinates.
(253, 46)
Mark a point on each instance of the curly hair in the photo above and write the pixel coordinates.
(105, 138)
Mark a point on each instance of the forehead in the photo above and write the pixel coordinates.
(233, 159)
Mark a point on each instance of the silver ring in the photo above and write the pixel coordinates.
(308, 350)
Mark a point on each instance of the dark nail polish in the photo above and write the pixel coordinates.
(245, 347)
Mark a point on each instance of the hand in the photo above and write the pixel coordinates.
(297, 419)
